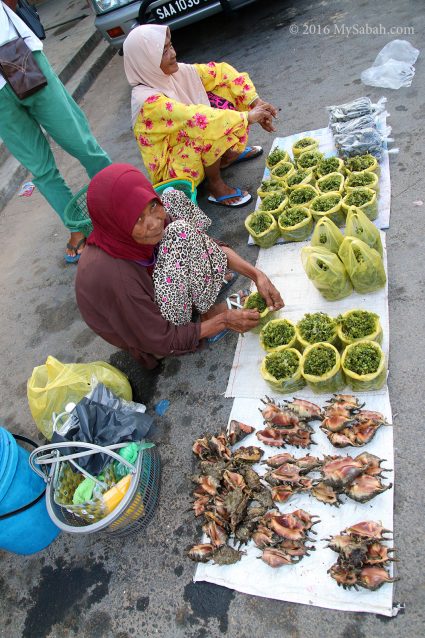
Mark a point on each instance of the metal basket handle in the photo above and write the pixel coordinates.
(53, 455)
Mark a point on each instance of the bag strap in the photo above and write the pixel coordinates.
(19, 437)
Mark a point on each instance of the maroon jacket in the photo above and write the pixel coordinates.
(116, 300)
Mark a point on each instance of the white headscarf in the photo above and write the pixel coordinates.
(143, 49)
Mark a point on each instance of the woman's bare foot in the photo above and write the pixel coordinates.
(76, 244)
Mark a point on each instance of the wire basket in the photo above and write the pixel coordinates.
(76, 214)
(132, 514)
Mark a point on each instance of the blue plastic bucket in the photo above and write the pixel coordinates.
(29, 530)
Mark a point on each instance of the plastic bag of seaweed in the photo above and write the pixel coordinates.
(363, 264)
(367, 140)
(327, 272)
(350, 126)
(359, 225)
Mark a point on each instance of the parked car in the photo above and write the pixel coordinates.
(116, 18)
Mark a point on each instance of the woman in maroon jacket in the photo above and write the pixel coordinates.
(149, 264)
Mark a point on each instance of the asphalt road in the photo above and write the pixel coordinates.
(92, 587)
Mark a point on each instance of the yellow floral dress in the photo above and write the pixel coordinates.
(176, 141)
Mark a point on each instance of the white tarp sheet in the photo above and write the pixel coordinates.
(308, 581)
(282, 264)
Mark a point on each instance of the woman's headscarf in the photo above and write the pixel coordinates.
(143, 49)
(115, 199)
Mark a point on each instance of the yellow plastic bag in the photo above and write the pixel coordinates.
(328, 205)
(330, 381)
(357, 355)
(263, 228)
(288, 362)
(54, 384)
(295, 224)
(359, 325)
(327, 235)
(363, 264)
(326, 271)
(359, 225)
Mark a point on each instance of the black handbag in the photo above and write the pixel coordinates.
(29, 15)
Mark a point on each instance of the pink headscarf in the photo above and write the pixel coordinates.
(143, 49)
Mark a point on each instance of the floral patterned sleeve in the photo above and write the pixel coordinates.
(223, 79)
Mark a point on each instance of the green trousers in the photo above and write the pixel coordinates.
(55, 110)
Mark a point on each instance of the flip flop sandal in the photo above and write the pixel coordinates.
(243, 199)
(243, 156)
(229, 283)
(73, 259)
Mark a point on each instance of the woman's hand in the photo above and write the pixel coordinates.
(242, 320)
(269, 111)
(262, 115)
(269, 292)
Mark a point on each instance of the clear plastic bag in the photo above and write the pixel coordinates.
(393, 66)
(350, 126)
(368, 140)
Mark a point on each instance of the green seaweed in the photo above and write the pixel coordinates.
(292, 216)
(282, 365)
(260, 222)
(282, 170)
(363, 358)
(332, 183)
(297, 178)
(328, 165)
(319, 361)
(272, 201)
(276, 156)
(359, 163)
(277, 333)
(305, 142)
(358, 197)
(301, 196)
(255, 302)
(270, 185)
(325, 203)
(309, 159)
(362, 179)
(358, 324)
(317, 326)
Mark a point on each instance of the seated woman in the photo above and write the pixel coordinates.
(179, 133)
(149, 264)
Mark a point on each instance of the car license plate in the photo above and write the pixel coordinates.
(176, 8)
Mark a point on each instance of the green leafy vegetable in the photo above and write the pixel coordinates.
(292, 216)
(358, 323)
(272, 201)
(319, 361)
(260, 222)
(283, 169)
(325, 202)
(302, 195)
(282, 365)
(276, 156)
(309, 159)
(358, 197)
(317, 326)
(360, 162)
(362, 179)
(255, 302)
(332, 183)
(270, 185)
(305, 142)
(363, 358)
(277, 333)
(297, 178)
(328, 165)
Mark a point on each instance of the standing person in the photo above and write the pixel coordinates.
(53, 109)
(191, 120)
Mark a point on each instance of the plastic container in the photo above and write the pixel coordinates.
(186, 185)
(30, 530)
(76, 215)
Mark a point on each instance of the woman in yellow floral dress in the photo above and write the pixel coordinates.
(179, 133)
